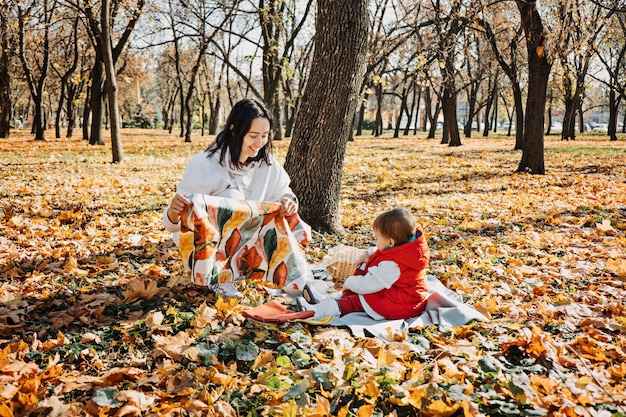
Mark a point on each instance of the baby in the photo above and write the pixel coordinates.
(393, 283)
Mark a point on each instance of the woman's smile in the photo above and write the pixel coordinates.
(255, 139)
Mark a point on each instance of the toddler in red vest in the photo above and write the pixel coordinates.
(393, 283)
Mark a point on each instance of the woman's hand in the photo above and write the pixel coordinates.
(177, 206)
(288, 206)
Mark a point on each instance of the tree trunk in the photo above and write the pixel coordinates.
(471, 109)
(359, 125)
(612, 128)
(97, 101)
(494, 116)
(324, 124)
(192, 85)
(518, 110)
(378, 123)
(84, 123)
(415, 111)
(490, 102)
(71, 110)
(111, 85)
(538, 73)
(427, 110)
(549, 113)
(57, 117)
(449, 114)
(214, 117)
(5, 81)
(278, 120)
(403, 108)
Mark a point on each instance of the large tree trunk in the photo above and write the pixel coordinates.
(111, 84)
(5, 81)
(538, 74)
(324, 124)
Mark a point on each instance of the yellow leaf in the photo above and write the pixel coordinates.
(605, 226)
(618, 371)
(617, 266)
(440, 408)
(585, 398)
(323, 405)
(514, 326)
(369, 389)
(583, 381)
(290, 409)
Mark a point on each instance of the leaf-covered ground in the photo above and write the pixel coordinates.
(97, 318)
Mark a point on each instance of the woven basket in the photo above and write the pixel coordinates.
(341, 262)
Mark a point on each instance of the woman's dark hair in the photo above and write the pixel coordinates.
(230, 138)
(397, 224)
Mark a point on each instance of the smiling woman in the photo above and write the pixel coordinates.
(237, 165)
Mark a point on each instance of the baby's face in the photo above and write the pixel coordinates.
(383, 242)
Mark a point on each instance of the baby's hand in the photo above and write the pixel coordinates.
(363, 258)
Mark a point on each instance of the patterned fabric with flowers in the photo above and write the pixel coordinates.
(223, 239)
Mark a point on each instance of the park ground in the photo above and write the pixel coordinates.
(97, 317)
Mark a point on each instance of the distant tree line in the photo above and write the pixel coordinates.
(180, 64)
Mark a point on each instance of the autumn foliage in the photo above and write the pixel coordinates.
(97, 318)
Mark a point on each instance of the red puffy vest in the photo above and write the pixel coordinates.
(407, 296)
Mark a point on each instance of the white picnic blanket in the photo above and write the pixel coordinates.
(444, 308)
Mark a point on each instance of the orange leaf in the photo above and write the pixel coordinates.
(366, 410)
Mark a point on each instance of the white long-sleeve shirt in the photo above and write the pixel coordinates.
(257, 181)
(377, 278)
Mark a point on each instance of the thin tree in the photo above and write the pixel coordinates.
(68, 50)
(111, 82)
(502, 42)
(324, 125)
(101, 43)
(581, 25)
(36, 64)
(612, 55)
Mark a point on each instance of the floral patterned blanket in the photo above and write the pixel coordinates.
(223, 239)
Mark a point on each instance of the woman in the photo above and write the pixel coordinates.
(238, 165)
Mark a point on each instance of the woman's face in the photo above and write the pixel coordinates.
(255, 139)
